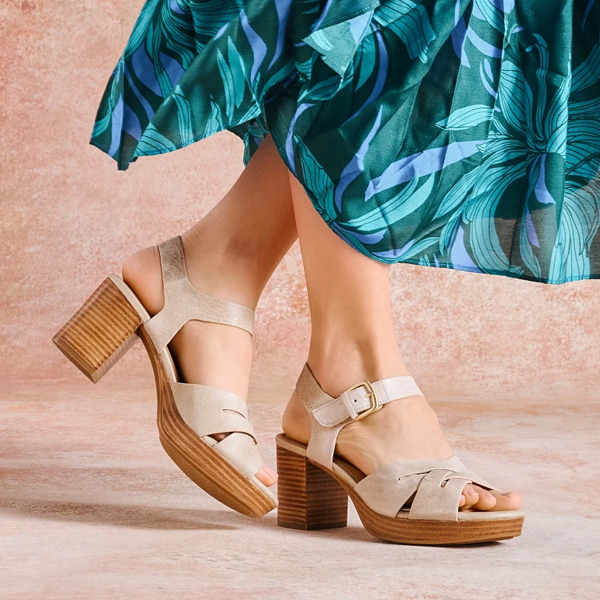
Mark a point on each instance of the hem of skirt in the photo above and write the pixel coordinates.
(451, 267)
(104, 149)
(467, 269)
(124, 166)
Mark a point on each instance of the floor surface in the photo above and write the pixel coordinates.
(91, 507)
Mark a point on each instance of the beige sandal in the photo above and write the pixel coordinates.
(188, 414)
(406, 501)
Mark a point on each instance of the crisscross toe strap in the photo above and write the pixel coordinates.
(208, 411)
(183, 302)
(435, 487)
(242, 452)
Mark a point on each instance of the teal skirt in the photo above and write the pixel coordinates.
(462, 134)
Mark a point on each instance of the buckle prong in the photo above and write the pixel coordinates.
(375, 406)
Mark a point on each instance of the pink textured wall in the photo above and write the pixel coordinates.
(69, 218)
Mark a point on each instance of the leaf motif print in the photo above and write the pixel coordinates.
(403, 204)
(557, 119)
(258, 46)
(214, 122)
(464, 118)
(490, 11)
(210, 18)
(410, 22)
(455, 197)
(527, 239)
(153, 142)
(140, 29)
(587, 73)
(461, 134)
(317, 180)
(480, 212)
(409, 250)
(338, 43)
(184, 115)
(515, 98)
(579, 223)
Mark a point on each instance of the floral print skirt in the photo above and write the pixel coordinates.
(462, 134)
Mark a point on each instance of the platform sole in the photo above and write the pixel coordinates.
(311, 497)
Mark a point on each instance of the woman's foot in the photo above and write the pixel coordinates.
(208, 353)
(404, 429)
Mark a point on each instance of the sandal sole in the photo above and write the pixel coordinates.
(312, 497)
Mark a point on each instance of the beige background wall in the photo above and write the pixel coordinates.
(69, 218)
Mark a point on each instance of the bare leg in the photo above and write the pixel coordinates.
(230, 254)
(352, 340)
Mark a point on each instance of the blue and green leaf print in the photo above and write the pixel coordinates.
(462, 134)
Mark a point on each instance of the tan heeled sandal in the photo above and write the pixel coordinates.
(103, 329)
(406, 501)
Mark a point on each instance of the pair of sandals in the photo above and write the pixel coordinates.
(406, 501)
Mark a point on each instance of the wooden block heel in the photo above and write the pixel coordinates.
(309, 498)
(100, 332)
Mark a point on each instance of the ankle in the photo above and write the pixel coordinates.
(345, 361)
(220, 269)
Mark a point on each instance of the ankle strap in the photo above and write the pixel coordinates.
(364, 398)
(329, 415)
(183, 302)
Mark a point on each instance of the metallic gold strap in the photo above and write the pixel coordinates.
(183, 302)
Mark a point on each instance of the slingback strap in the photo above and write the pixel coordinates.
(183, 302)
(329, 415)
(435, 487)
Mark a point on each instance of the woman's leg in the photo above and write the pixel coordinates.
(231, 254)
(352, 340)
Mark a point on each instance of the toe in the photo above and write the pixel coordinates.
(506, 500)
(470, 495)
(266, 475)
(486, 500)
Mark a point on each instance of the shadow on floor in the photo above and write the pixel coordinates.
(135, 516)
(120, 515)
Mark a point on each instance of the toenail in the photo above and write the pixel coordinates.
(269, 471)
